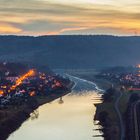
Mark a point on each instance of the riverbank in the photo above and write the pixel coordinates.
(12, 117)
(109, 116)
(105, 111)
(91, 75)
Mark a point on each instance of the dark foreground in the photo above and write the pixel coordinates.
(14, 117)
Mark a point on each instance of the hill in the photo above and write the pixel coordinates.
(71, 51)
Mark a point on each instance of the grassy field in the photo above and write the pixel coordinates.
(107, 107)
(125, 99)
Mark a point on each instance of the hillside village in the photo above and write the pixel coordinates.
(17, 87)
(129, 77)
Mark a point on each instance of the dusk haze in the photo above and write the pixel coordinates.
(69, 69)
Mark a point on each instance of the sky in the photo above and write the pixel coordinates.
(58, 17)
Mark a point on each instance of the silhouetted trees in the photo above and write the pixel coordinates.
(71, 51)
(108, 95)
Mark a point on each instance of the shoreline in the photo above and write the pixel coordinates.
(18, 115)
(107, 115)
(109, 127)
(14, 122)
(97, 85)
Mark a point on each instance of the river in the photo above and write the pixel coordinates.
(67, 118)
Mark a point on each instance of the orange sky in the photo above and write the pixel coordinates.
(44, 17)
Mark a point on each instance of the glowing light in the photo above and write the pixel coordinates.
(32, 93)
(1, 92)
(4, 87)
(20, 80)
(138, 66)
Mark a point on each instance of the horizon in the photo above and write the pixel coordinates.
(64, 17)
(108, 35)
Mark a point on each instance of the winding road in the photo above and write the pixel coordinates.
(122, 132)
(136, 120)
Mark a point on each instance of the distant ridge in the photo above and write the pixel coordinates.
(71, 51)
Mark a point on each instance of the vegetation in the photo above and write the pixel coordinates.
(66, 51)
(107, 116)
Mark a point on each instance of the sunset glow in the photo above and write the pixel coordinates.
(53, 17)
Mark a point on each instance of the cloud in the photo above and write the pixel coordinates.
(64, 16)
(7, 28)
(65, 30)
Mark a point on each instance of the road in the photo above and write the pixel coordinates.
(136, 116)
(122, 133)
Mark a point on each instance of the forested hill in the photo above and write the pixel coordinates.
(71, 51)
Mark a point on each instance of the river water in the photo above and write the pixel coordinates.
(67, 118)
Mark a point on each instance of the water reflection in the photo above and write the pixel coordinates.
(69, 120)
(61, 101)
(34, 115)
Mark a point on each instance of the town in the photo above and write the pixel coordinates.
(18, 84)
(128, 77)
